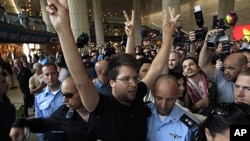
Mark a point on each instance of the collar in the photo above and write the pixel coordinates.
(172, 116)
(48, 91)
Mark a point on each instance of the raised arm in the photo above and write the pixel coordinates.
(130, 32)
(59, 16)
(192, 50)
(206, 56)
(163, 55)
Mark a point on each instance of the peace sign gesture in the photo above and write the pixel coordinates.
(170, 25)
(129, 24)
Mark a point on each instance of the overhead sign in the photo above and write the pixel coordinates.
(16, 34)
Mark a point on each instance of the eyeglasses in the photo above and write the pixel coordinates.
(69, 94)
(225, 109)
(127, 80)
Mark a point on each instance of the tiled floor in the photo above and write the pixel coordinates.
(16, 98)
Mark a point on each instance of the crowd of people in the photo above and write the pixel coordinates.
(145, 92)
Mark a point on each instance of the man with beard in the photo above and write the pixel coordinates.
(233, 65)
(123, 115)
(174, 62)
(201, 92)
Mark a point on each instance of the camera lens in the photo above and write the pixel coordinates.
(212, 40)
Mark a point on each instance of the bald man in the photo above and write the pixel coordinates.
(233, 65)
(71, 118)
(166, 114)
(36, 83)
(100, 82)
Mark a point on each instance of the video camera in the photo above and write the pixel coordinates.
(82, 40)
(201, 32)
(180, 38)
(215, 37)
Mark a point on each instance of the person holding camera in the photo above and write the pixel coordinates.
(222, 49)
(233, 64)
(195, 45)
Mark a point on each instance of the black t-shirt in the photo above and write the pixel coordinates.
(7, 117)
(112, 121)
(75, 128)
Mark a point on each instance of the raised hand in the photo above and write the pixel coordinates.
(59, 13)
(129, 24)
(170, 25)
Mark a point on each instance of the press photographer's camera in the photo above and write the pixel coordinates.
(214, 38)
(201, 32)
(180, 38)
(82, 40)
(226, 47)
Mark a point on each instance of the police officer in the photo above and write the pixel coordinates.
(169, 121)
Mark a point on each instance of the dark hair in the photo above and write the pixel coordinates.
(36, 56)
(49, 64)
(192, 58)
(141, 61)
(223, 115)
(118, 60)
(195, 61)
(60, 61)
(182, 49)
(179, 75)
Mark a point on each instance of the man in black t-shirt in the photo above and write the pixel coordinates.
(119, 112)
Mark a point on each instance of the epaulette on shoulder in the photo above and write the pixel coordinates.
(188, 121)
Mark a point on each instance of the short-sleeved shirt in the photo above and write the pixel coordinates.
(46, 102)
(171, 128)
(113, 121)
(225, 88)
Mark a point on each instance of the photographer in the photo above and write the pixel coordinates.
(197, 37)
(233, 65)
(195, 45)
(222, 49)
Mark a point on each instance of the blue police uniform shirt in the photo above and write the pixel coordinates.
(171, 128)
(44, 60)
(101, 88)
(45, 104)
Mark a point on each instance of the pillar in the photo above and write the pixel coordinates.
(78, 12)
(98, 19)
(137, 22)
(45, 16)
